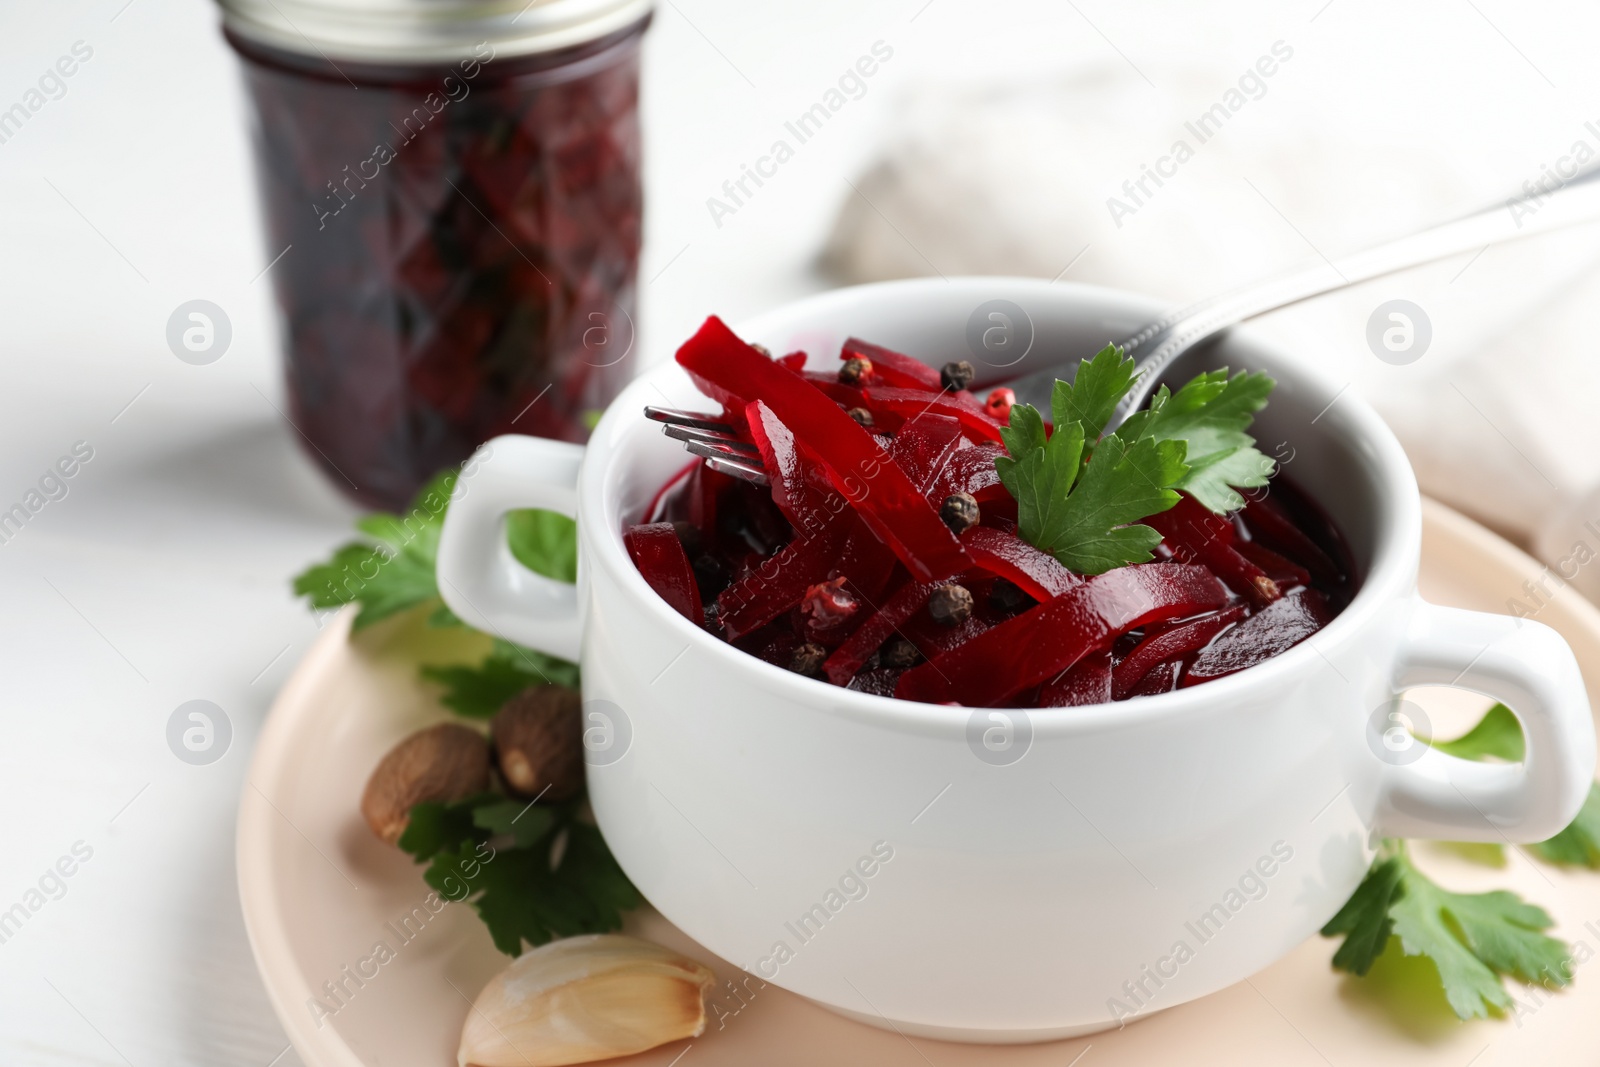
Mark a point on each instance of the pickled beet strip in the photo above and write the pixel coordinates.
(795, 361)
(934, 639)
(1036, 573)
(778, 582)
(683, 478)
(912, 402)
(1267, 522)
(1086, 682)
(1042, 642)
(834, 389)
(806, 506)
(866, 563)
(1195, 535)
(923, 447)
(1172, 644)
(971, 470)
(726, 367)
(705, 489)
(657, 552)
(1280, 569)
(859, 647)
(892, 368)
(878, 682)
(1272, 630)
(1160, 679)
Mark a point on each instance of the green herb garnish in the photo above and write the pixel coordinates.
(534, 872)
(1473, 939)
(1079, 494)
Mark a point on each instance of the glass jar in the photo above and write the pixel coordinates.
(452, 189)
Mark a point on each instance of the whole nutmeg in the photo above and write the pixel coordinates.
(950, 604)
(538, 742)
(959, 512)
(856, 369)
(956, 375)
(443, 763)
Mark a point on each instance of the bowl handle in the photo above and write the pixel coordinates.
(1527, 666)
(478, 577)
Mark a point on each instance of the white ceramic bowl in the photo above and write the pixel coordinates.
(873, 855)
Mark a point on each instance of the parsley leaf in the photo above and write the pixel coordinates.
(1093, 394)
(1080, 513)
(1473, 939)
(533, 872)
(1498, 735)
(1079, 507)
(393, 571)
(478, 692)
(1210, 414)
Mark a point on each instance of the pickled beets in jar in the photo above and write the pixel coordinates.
(456, 202)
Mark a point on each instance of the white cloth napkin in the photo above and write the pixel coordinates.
(1497, 413)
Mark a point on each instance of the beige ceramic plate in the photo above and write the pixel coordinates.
(319, 895)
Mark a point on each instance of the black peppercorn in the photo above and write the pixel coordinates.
(1004, 595)
(807, 659)
(763, 349)
(959, 512)
(956, 375)
(855, 370)
(898, 653)
(861, 415)
(950, 605)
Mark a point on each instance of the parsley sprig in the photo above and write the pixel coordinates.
(533, 871)
(1473, 939)
(1080, 492)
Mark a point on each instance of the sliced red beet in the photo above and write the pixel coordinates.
(808, 507)
(891, 368)
(664, 498)
(795, 361)
(1195, 535)
(1036, 573)
(1048, 639)
(726, 367)
(971, 470)
(878, 682)
(1269, 523)
(923, 447)
(908, 403)
(1086, 682)
(657, 552)
(1280, 569)
(778, 582)
(1162, 679)
(1272, 630)
(1174, 643)
(901, 605)
(866, 563)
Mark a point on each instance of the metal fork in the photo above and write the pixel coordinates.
(1161, 344)
(712, 440)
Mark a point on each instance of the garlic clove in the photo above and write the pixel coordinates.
(583, 999)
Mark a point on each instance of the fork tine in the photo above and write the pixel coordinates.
(691, 433)
(738, 464)
(700, 420)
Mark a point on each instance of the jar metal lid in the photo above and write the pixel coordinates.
(426, 30)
